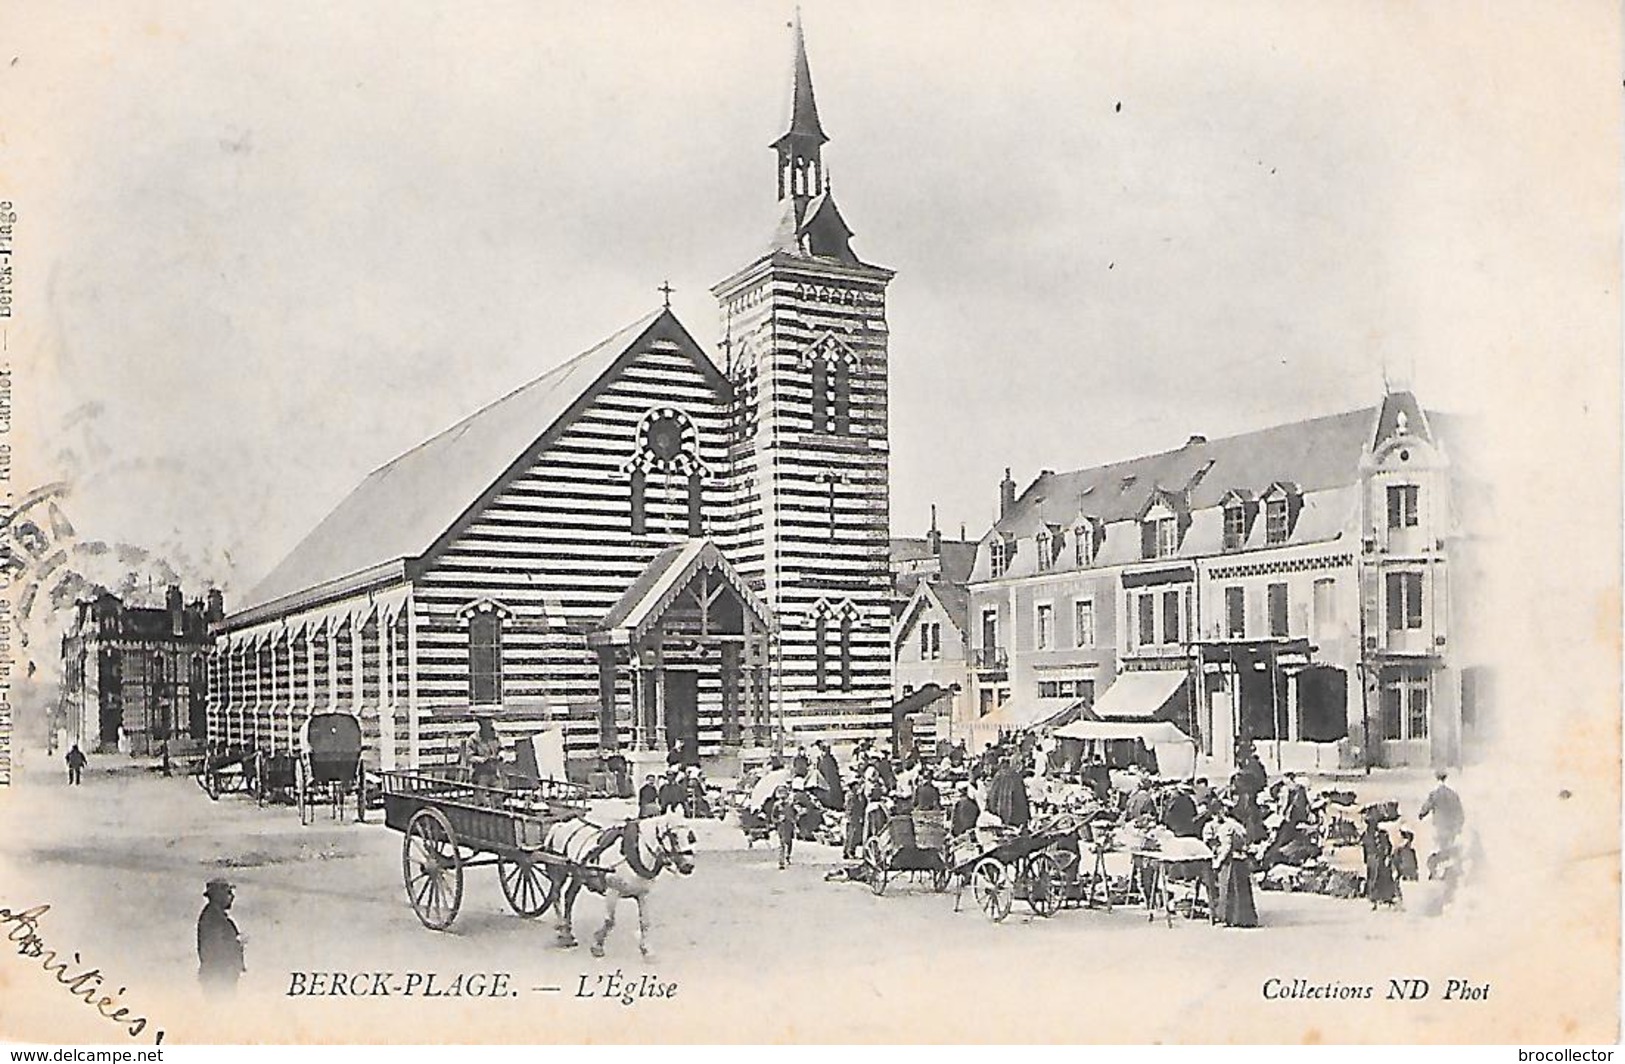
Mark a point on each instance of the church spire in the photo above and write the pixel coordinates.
(801, 171)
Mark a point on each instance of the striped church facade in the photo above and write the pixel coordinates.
(643, 549)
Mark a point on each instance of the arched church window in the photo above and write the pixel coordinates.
(666, 454)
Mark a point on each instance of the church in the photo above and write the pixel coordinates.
(649, 547)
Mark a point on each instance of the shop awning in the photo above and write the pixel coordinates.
(1019, 714)
(1152, 731)
(1140, 696)
(915, 701)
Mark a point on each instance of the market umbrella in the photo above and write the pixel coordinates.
(770, 782)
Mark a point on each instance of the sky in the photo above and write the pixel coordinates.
(263, 249)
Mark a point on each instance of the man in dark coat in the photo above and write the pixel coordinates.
(965, 813)
(1179, 814)
(648, 797)
(219, 944)
(926, 797)
(76, 764)
(855, 806)
(829, 773)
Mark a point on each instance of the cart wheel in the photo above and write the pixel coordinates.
(301, 787)
(526, 885)
(990, 886)
(876, 860)
(1043, 884)
(940, 878)
(432, 868)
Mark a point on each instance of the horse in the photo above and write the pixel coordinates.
(633, 855)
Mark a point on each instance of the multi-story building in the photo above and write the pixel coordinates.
(1289, 587)
(135, 676)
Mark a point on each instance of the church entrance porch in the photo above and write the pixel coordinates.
(683, 662)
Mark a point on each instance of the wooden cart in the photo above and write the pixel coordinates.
(911, 843)
(451, 824)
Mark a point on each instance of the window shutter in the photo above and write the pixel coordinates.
(695, 507)
(820, 395)
(843, 397)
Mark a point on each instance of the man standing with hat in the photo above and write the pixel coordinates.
(219, 944)
(1444, 805)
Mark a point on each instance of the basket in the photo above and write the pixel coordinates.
(930, 830)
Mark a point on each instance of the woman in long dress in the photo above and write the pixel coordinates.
(1233, 870)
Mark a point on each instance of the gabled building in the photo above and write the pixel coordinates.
(1289, 587)
(641, 546)
(931, 604)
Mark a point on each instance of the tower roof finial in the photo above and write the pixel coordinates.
(803, 119)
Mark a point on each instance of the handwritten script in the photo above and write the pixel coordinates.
(89, 985)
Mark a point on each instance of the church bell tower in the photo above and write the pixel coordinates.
(805, 332)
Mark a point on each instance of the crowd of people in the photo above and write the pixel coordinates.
(1246, 825)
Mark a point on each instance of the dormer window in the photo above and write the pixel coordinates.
(1276, 525)
(1235, 526)
(1084, 544)
(1045, 555)
(1281, 505)
(998, 557)
(1159, 537)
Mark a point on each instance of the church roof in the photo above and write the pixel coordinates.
(404, 507)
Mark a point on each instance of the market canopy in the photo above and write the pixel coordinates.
(1152, 731)
(1140, 696)
(1021, 713)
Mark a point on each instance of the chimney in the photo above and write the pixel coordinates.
(176, 606)
(934, 537)
(216, 611)
(1007, 495)
(1195, 440)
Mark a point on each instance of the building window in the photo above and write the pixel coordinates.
(1278, 608)
(1325, 606)
(1044, 625)
(1276, 526)
(695, 505)
(1405, 708)
(990, 630)
(998, 557)
(1148, 619)
(1066, 689)
(931, 640)
(821, 652)
(1083, 623)
(1404, 601)
(1171, 632)
(1044, 555)
(1159, 538)
(1402, 505)
(1083, 544)
(1235, 613)
(485, 658)
(985, 703)
(846, 651)
(1235, 526)
(831, 385)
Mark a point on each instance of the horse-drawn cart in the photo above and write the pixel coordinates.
(451, 824)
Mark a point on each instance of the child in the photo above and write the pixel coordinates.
(783, 817)
(1405, 857)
